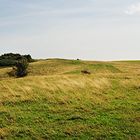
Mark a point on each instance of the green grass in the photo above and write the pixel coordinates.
(57, 101)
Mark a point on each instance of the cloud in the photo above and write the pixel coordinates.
(133, 9)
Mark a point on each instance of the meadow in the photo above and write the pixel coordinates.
(57, 101)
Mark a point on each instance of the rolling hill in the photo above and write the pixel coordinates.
(57, 101)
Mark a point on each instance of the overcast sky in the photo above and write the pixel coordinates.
(85, 29)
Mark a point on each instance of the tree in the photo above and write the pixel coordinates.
(21, 67)
(10, 59)
(28, 57)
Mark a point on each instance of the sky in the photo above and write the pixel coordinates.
(84, 29)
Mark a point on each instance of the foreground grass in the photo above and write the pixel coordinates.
(56, 101)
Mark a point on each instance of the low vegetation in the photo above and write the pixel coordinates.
(57, 101)
(21, 68)
(11, 59)
(19, 63)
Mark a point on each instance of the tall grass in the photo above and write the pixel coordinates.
(55, 102)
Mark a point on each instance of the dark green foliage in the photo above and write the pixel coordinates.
(10, 56)
(28, 57)
(7, 62)
(10, 59)
(20, 63)
(21, 67)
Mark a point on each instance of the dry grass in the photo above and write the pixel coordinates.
(56, 101)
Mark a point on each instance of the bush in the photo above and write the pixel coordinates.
(10, 59)
(10, 56)
(7, 62)
(28, 57)
(21, 67)
(19, 63)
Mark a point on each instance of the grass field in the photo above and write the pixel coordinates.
(57, 101)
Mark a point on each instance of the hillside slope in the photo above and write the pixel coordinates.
(57, 101)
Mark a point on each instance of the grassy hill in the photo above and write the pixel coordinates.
(57, 101)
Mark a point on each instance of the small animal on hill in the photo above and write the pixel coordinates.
(85, 72)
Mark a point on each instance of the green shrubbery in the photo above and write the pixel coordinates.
(21, 67)
(19, 63)
(7, 62)
(11, 59)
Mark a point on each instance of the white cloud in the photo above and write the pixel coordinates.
(133, 9)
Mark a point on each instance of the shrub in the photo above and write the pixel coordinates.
(28, 57)
(21, 67)
(10, 56)
(7, 62)
(10, 59)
